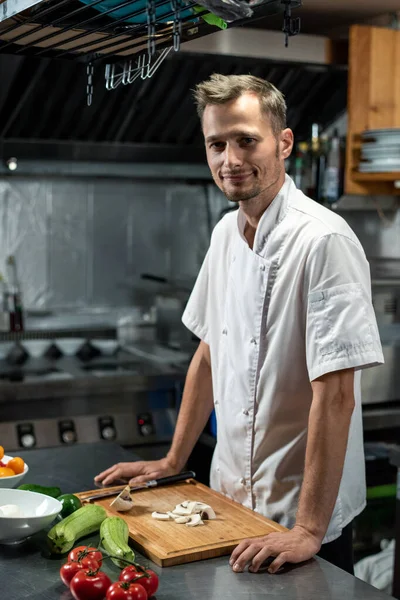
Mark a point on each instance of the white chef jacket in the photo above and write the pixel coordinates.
(276, 317)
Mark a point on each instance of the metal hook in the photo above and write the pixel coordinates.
(177, 27)
(89, 87)
(159, 61)
(144, 66)
(112, 81)
(151, 27)
(291, 26)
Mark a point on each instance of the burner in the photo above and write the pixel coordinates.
(53, 352)
(18, 355)
(88, 352)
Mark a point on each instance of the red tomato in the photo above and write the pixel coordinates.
(88, 585)
(150, 583)
(68, 570)
(123, 590)
(82, 552)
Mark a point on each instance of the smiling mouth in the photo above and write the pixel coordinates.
(237, 178)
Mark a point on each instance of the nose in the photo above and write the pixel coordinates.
(233, 158)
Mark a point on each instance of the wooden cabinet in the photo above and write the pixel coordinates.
(373, 101)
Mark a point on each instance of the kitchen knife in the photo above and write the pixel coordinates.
(142, 486)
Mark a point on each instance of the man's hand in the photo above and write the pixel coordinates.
(136, 472)
(297, 545)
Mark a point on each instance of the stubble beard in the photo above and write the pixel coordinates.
(243, 196)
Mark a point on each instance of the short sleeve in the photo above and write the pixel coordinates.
(195, 314)
(341, 328)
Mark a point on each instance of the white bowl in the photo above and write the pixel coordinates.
(106, 347)
(5, 349)
(69, 346)
(15, 480)
(36, 348)
(38, 510)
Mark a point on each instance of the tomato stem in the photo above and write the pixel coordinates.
(125, 560)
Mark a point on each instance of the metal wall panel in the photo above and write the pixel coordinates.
(109, 216)
(86, 242)
(68, 243)
(187, 214)
(23, 234)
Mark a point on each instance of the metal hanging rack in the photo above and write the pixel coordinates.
(128, 36)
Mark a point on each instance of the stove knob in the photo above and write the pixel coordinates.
(146, 429)
(108, 433)
(68, 436)
(27, 440)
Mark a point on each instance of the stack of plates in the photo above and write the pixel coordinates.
(380, 151)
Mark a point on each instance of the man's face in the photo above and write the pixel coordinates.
(244, 155)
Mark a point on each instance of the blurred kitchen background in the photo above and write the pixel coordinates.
(107, 207)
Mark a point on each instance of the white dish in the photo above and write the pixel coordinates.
(14, 480)
(38, 512)
(381, 132)
(106, 347)
(5, 349)
(384, 139)
(69, 346)
(377, 169)
(36, 348)
(392, 151)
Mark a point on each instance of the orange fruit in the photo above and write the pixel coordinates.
(16, 464)
(6, 472)
(1, 452)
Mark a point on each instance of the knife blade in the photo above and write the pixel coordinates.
(142, 486)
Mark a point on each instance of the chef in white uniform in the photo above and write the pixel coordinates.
(282, 306)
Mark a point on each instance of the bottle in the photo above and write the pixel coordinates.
(321, 166)
(4, 306)
(300, 165)
(332, 173)
(314, 188)
(16, 308)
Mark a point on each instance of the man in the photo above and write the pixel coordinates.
(283, 309)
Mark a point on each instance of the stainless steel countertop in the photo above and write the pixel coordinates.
(26, 570)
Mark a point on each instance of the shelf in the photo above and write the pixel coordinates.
(357, 176)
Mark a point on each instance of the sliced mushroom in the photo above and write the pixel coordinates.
(172, 515)
(208, 513)
(160, 516)
(123, 501)
(183, 511)
(194, 521)
(182, 520)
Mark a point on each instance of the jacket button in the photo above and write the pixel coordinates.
(245, 411)
(224, 332)
(262, 267)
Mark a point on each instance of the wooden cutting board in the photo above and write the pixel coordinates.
(167, 543)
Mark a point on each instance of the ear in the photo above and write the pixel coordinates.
(286, 143)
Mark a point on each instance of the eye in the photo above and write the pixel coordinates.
(218, 145)
(247, 140)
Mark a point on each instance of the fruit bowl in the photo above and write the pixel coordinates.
(14, 480)
(38, 511)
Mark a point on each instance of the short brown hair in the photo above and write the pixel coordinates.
(223, 88)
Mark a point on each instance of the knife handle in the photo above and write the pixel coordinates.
(171, 479)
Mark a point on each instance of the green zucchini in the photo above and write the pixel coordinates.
(54, 492)
(114, 536)
(84, 521)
